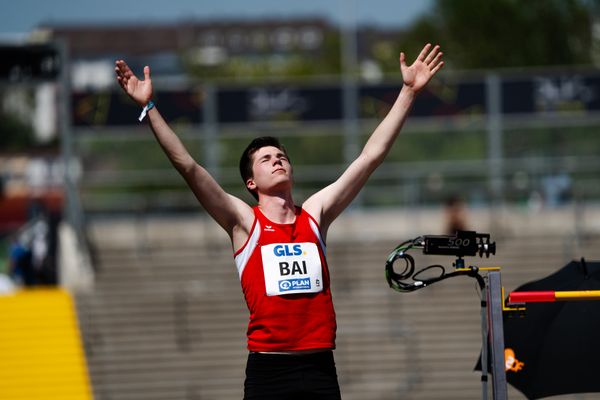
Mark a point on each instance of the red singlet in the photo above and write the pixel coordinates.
(285, 280)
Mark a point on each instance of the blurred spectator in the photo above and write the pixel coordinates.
(456, 215)
(39, 248)
(20, 267)
(32, 251)
(535, 201)
(49, 272)
(557, 189)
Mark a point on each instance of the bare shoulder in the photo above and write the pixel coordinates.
(243, 221)
(314, 207)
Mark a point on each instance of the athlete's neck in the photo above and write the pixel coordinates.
(279, 209)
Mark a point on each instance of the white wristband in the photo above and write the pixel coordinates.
(147, 108)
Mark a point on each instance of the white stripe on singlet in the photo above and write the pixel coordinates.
(317, 233)
(242, 258)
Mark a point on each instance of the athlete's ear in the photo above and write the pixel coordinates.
(250, 184)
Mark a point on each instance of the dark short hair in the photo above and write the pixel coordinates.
(253, 147)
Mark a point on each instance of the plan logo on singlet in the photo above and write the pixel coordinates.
(294, 284)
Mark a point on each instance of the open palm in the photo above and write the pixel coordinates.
(427, 64)
(139, 91)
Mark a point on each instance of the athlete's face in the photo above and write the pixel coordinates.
(271, 170)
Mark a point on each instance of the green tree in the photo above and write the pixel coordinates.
(14, 134)
(507, 33)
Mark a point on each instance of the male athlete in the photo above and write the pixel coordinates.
(279, 246)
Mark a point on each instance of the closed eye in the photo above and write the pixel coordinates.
(264, 158)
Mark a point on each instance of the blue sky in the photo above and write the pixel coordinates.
(23, 15)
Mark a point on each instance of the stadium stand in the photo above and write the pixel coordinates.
(167, 318)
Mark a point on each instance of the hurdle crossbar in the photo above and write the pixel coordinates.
(546, 296)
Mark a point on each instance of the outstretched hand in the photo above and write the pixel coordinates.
(139, 91)
(427, 64)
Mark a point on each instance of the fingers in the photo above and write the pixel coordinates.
(123, 70)
(424, 52)
(122, 79)
(121, 67)
(432, 55)
(433, 58)
(437, 63)
(146, 73)
(437, 67)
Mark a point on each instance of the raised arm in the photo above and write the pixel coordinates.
(329, 202)
(234, 215)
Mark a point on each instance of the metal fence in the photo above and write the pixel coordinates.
(527, 138)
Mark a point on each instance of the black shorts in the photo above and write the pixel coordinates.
(289, 377)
